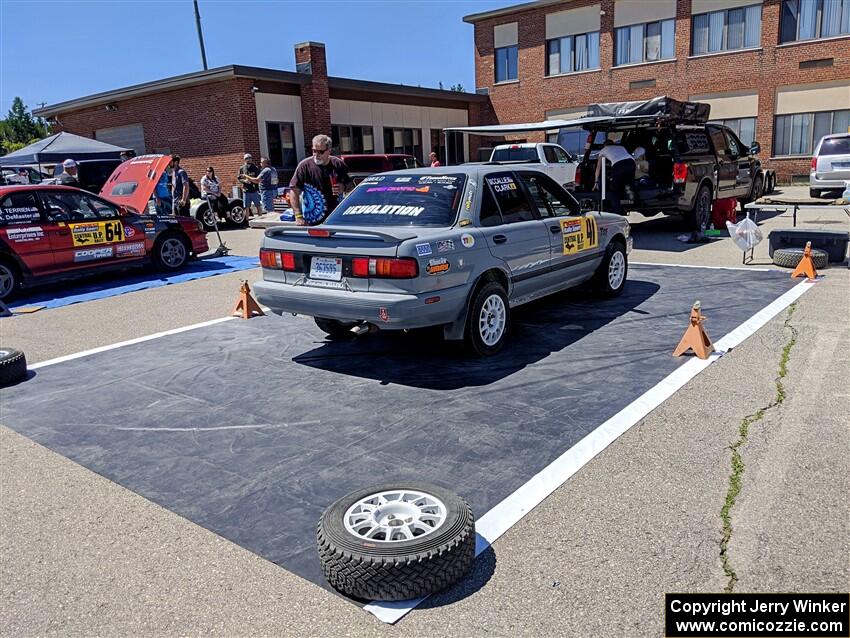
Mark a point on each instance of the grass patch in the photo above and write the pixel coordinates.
(737, 461)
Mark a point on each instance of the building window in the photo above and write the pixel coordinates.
(726, 30)
(572, 53)
(506, 63)
(812, 19)
(743, 127)
(281, 141)
(799, 133)
(406, 141)
(349, 140)
(645, 42)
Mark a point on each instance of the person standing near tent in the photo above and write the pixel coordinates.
(267, 181)
(179, 188)
(250, 191)
(69, 174)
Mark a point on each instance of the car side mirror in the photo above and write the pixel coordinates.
(755, 149)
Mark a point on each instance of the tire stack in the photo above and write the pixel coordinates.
(790, 257)
(13, 366)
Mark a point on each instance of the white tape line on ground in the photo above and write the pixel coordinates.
(120, 344)
(749, 269)
(507, 513)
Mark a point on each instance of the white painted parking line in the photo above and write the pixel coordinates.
(129, 342)
(748, 268)
(507, 513)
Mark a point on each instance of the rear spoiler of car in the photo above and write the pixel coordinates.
(331, 231)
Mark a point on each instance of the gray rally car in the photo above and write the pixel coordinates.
(456, 246)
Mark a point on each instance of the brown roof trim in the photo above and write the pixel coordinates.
(168, 84)
(472, 18)
(346, 84)
(254, 73)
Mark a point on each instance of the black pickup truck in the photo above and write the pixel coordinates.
(688, 162)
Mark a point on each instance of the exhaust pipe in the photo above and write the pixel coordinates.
(360, 329)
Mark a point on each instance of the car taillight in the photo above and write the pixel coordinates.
(277, 259)
(814, 163)
(680, 173)
(318, 232)
(383, 267)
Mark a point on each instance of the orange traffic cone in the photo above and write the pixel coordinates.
(695, 337)
(807, 265)
(246, 306)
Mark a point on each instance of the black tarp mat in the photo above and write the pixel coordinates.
(663, 107)
(252, 428)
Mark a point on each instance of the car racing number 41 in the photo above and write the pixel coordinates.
(579, 233)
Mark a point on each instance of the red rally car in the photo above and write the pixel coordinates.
(56, 232)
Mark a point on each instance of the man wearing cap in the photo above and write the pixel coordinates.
(179, 188)
(69, 174)
(250, 190)
(325, 172)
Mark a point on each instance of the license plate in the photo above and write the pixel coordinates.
(327, 268)
(321, 283)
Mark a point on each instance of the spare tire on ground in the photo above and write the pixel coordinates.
(13, 366)
(790, 257)
(396, 541)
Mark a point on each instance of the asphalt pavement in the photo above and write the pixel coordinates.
(80, 555)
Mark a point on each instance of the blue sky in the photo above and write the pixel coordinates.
(51, 51)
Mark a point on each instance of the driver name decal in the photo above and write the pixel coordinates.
(501, 184)
(579, 233)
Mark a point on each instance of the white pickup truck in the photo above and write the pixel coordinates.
(552, 158)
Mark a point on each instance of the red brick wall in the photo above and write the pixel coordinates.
(528, 99)
(315, 97)
(210, 124)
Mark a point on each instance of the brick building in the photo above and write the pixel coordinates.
(213, 117)
(777, 71)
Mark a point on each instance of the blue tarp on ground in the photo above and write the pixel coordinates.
(84, 290)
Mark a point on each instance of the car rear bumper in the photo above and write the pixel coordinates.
(830, 181)
(388, 311)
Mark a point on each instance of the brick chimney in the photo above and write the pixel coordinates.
(315, 97)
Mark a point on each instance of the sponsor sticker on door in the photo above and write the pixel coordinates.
(91, 254)
(92, 233)
(25, 234)
(579, 233)
(437, 266)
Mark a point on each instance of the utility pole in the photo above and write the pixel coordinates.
(200, 35)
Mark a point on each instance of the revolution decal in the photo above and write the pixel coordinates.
(386, 209)
(89, 233)
(25, 234)
(445, 246)
(423, 249)
(19, 214)
(467, 240)
(437, 266)
(579, 233)
(93, 253)
(136, 249)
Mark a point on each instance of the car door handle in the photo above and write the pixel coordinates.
(63, 231)
(500, 239)
(554, 229)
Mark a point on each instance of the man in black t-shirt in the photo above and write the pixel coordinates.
(327, 173)
(69, 175)
(250, 190)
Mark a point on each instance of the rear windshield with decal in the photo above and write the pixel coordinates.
(402, 200)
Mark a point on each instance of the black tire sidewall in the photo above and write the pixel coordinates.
(16, 280)
(758, 188)
(238, 224)
(157, 252)
(335, 328)
(603, 284)
(201, 216)
(473, 336)
(13, 366)
(333, 527)
(693, 218)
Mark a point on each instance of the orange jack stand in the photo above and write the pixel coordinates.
(246, 306)
(695, 337)
(807, 265)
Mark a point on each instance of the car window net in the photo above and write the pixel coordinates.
(402, 200)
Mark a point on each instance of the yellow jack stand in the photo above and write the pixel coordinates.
(807, 265)
(695, 337)
(246, 306)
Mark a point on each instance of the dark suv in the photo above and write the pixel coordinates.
(688, 163)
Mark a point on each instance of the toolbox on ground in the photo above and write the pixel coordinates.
(834, 242)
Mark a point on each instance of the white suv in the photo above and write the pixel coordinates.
(830, 164)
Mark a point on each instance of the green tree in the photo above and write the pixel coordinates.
(20, 127)
(458, 88)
